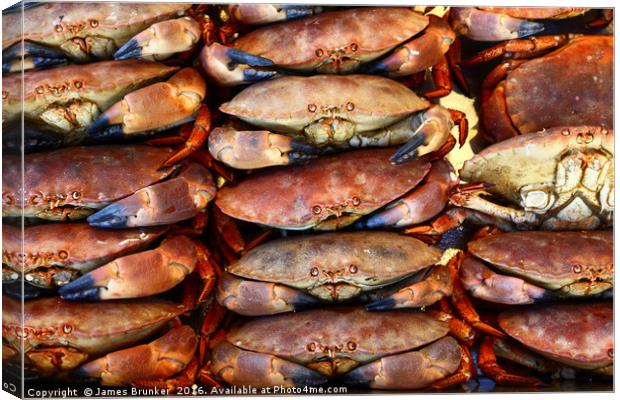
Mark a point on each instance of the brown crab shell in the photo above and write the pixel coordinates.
(352, 333)
(362, 259)
(94, 328)
(52, 24)
(533, 158)
(363, 34)
(580, 335)
(353, 184)
(291, 103)
(103, 83)
(76, 246)
(537, 12)
(550, 259)
(88, 177)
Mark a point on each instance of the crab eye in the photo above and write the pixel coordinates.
(62, 254)
(350, 106)
(317, 209)
(314, 271)
(311, 346)
(356, 201)
(351, 346)
(577, 269)
(353, 268)
(610, 353)
(319, 53)
(353, 46)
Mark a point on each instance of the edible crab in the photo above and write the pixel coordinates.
(388, 350)
(127, 184)
(335, 42)
(562, 340)
(539, 266)
(294, 273)
(560, 179)
(65, 339)
(328, 193)
(328, 111)
(522, 96)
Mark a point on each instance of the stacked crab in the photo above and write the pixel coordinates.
(314, 120)
(111, 282)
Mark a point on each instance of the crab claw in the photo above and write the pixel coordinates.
(257, 149)
(418, 54)
(137, 275)
(259, 14)
(163, 203)
(231, 67)
(34, 56)
(431, 130)
(162, 40)
(177, 101)
(482, 25)
(160, 359)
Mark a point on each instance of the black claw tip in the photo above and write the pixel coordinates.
(356, 378)
(80, 289)
(373, 222)
(296, 11)
(241, 57)
(252, 75)
(308, 377)
(408, 151)
(381, 305)
(528, 28)
(131, 49)
(376, 68)
(304, 302)
(84, 295)
(101, 130)
(110, 217)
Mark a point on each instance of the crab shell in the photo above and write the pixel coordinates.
(95, 31)
(53, 247)
(573, 263)
(83, 92)
(522, 162)
(290, 104)
(579, 335)
(332, 267)
(543, 93)
(288, 349)
(537, 12)
(309, 43)
(328, 193)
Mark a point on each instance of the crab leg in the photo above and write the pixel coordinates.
(418, 54)
(253, 298)
(482, 25)
(137, 275)
(259, 14)
(257, 149)
(518, 48)
(161, 40)
(410, 370)
(160, 359)
(177, 101)
(487, 362)
(466, 371)
(163, 203)
(228, 66)
(422, 204)
(241, 367)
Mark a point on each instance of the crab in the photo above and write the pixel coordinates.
(558, 179)
(121, 186)
(535, 266)
(335, 42)
(101, 265)
(106, 100)
(390, 350)
(295, 273)
(504, 23)
(65, 339)
(328, 193)
(50, 34)
(329, 111)
(563, 340)
(522, 96)
(260, 14)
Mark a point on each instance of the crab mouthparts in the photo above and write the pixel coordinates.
(330, 365)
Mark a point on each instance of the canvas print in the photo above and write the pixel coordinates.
(258, 199)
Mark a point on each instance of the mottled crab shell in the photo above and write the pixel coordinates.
(84, 177)
(356, 36)
(363, 259)
(55, 245)
(537, 12)
(52, 24)
(533, 158)
(349, 333)
(102, 83)
(94, 328)
(536, 100)
(291, 103)
(327, 193)
(550, 259)
(579, 335)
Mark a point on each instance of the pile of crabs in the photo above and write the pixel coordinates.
(165, 224)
